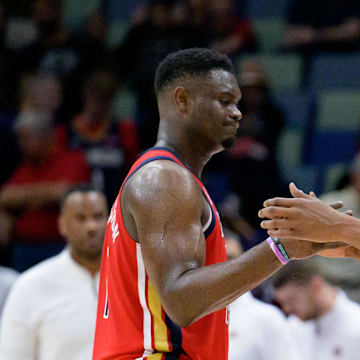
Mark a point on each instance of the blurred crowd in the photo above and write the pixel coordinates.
(66, 118)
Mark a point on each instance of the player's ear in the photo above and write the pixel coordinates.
(181, 98)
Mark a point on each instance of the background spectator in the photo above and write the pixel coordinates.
(41, 92)
(110, 144)
(231, 33)
(30, 197)
(58, 51)
(324, 25)
(51, 310)
(325, 320)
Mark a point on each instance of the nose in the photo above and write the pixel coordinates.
(92, 226)
(236, 114)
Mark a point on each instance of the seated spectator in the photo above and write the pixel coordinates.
(230, 33)
(31, 196)
(323, 25)
(58, 51)
(111, 145)
(253, 323)
(322, 318)
(41, 92)
(51, 310)
(7, 279)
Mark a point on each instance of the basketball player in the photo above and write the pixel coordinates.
(305, 217)
(165, 282)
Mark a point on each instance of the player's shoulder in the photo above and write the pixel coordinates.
(161, 176)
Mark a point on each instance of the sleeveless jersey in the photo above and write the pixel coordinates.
(131, 322)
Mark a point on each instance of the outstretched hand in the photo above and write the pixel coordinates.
(302, 217)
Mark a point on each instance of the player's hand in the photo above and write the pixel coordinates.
(303, 217)
(341, 252)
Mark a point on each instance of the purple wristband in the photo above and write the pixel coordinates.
(276, 251)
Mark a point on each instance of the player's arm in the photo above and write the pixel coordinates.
(15, 197)
(167, 207)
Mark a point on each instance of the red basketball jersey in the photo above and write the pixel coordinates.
(131, 322)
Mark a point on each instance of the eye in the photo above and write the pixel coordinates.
(80, 218)
(225, 101)
(99, 216)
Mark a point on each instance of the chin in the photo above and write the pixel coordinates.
(228, 143)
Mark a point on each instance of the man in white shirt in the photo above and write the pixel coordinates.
(324, 321)
(51, 310)
(7, 279)
(257, 331)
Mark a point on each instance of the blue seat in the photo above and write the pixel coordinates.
(332, 176)
(298, 108)
(117, 32)
(121, 10)
(332, 147)
(338, 110)
(269, 33)
(266, 8)
(335, 71)
(306, 177)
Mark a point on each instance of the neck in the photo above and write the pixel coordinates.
(328, 300)
(192, 153)
(91, 265)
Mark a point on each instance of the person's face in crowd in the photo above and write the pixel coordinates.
(97, 107)
(299, 300)
(83, 222)
(47, 95)
(215, 108)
